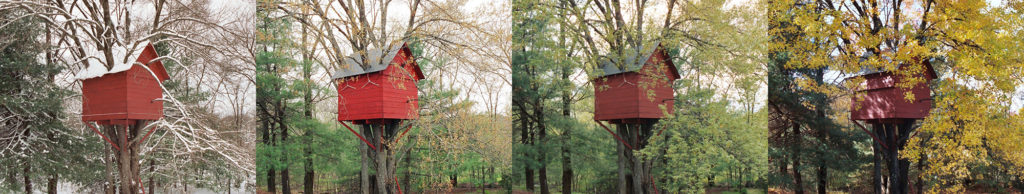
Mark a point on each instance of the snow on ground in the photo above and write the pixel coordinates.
(64, 187)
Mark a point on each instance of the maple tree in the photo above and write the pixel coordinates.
(973, 45)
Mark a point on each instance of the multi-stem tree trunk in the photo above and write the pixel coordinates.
(634, 171)
(895, 136)
(382, 161)
(126, 137)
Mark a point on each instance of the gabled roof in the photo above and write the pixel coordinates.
(929, 70)
(156, 66)
(379, 59)
(123, 61)
(634, 60)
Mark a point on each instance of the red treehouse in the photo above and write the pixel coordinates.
(881, 103)
(124, 99)
(378, 94)
(127, 94)
(631, 96)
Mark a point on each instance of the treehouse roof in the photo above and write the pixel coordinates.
(634, 60)
(379, 59)
(123, 61)
(929, 71)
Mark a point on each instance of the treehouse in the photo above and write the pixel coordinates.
(633, 92)
(127, 91)
(382, 89)
(884, 102)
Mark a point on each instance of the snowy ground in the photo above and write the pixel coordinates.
(71, 188)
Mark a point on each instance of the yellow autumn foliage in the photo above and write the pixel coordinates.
(975, 47)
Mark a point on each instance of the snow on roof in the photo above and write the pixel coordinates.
(122, 61)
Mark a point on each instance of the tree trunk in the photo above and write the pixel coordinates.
(920, 168)
(454, 180)
(408, 168)
(877, 151)
(634, 171)
(108, 186)
(623, 177)
(285, 183)
(822, 178)
(528, 170)
(128, 157)
(51, 184)
(268, 140)
(27, 179)
(152, 169)
(542, 172)
(567, 174)
(364, 173)
(382, 160)
(797, 179)
(307, 98)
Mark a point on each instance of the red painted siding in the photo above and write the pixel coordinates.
(883, 100)
(129, 94)
(125, 95)
(636, 95)
(388, 94)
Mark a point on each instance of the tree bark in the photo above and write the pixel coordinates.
(364, 173)
(408, 168)
(542, 171)
(307, 98)
(51, 184)
(822, 178)
(285, 183)
(152, 169)
(526, 141)
(877, 159)
(567, 173)
(268, 139)
(108, 186)
(623, 177)
(128, 157)
(797, 180)
(27, 179)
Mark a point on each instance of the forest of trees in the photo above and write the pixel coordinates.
(459, 138)
(968, 142)
(752, 96)
(203, 143)
(714, 139)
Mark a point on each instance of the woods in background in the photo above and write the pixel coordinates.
(459, 137)
(203, 142)
(963, 145)
(715, 138)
